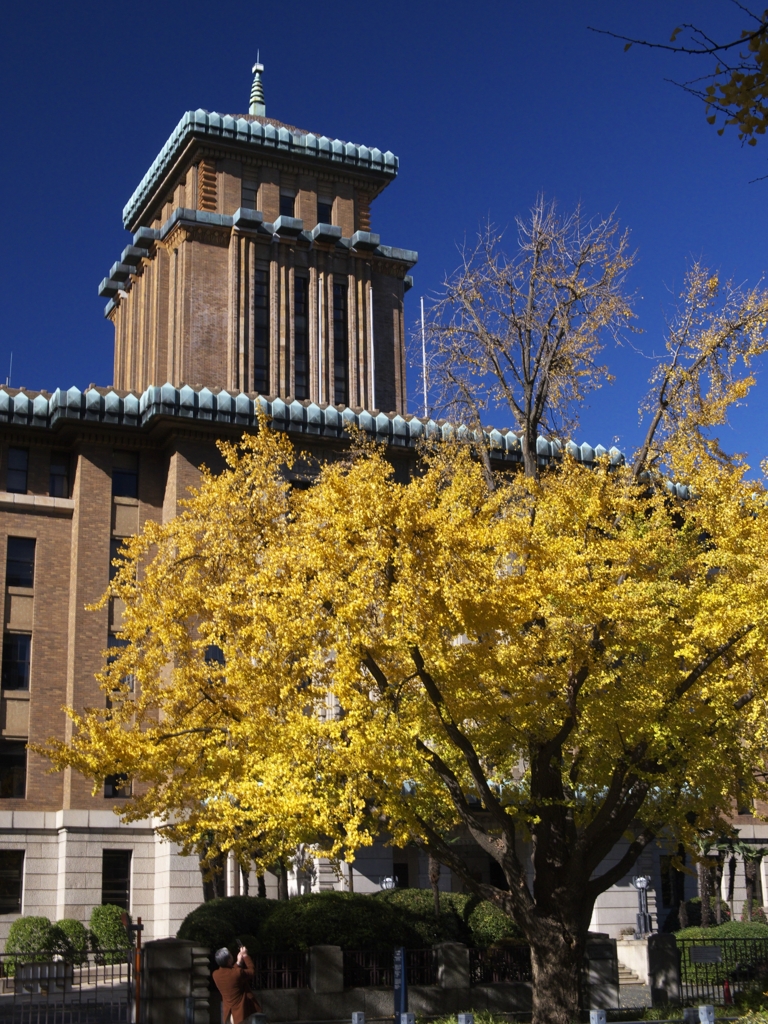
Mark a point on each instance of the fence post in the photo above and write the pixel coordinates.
(452, 965)
(663, 969)
(326, 969)
(176, 978)
(600, 974)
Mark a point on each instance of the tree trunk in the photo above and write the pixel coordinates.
(682, 914)
(214, 885)
(706, 904)
(282, 880)
(750, 873)
(717, 884)
(261, 887)
(731, 883)
(556, 964)
(434, 881)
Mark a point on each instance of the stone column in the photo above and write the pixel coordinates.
(452, 965)
(175, 972)
(326, 969)
(663, 969)
(600, 974)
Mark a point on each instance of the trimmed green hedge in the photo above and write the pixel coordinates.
(34, 940)
(221, 921)
(727, 930)
(78, 940)
(403, 917)
(109, 933)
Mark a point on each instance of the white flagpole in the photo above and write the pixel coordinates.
(424, 358)
(373, 354)
(320, 337)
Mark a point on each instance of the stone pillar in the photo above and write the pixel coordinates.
(326, 969)
(175, 972)
(663, 969)
(600, 973)
(452, 965)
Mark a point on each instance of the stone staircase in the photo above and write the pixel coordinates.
(628, 976)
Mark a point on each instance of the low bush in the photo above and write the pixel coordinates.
(488, 926)
(34, 940)
(727, 930)
(758, 912)
(222, 921)
(754, 1017)
(401, 917)
(77, 938)
(349, 920)
(110, 938)
(414, 911)
(693, 911)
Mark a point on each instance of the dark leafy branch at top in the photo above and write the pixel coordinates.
(737, 85)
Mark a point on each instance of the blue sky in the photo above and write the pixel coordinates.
(485, 104)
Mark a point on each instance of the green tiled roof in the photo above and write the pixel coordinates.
(214, 405)
(254, 133)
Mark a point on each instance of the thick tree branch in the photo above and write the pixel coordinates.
(460, 741)
(595, 886)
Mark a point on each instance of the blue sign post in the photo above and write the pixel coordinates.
(401, 983)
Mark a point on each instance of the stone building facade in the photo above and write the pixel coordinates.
(253, 281)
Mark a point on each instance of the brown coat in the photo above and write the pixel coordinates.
(235, 983)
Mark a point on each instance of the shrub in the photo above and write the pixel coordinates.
(219, 922)
(77, 939)
(758, 913)
(111, 940)
(754, 1017)
(34, 940)
(488, 925)
(401, 917)
(349, 920)
(728, 930)
(753, 1003)
(693, 910)
(418, 927)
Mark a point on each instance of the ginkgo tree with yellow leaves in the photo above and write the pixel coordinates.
(547, 668)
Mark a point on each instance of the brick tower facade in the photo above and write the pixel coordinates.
(254, 268)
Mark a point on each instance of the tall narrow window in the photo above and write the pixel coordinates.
(287, 204)
(17, 648)
(58, 481)
(13, 769)
(117, 643)
(249, 190)
(261, 332)
(114, 556)
(340, 354)
(11, 880)
(125, 474)
(324, 212)
(20, 563)
(18, 462)
(300, 337)
(116, 878)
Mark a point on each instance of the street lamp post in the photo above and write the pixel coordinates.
(643, 926)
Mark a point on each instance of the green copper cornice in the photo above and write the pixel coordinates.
(254, 135)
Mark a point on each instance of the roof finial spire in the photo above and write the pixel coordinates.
(257, 107)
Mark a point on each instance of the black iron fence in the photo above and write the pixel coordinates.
(97, 990)
(716, 970)
(500, 966)
(280, 970)
(365, 968)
